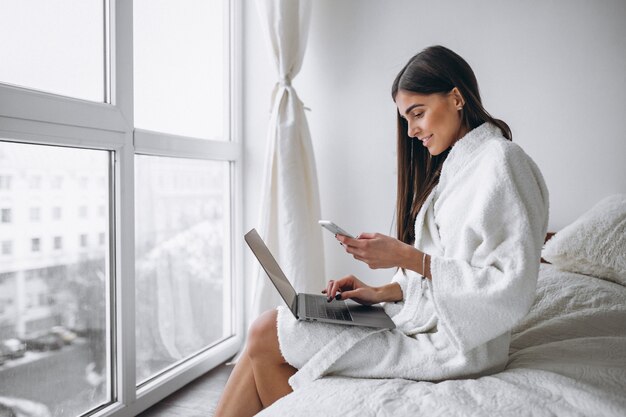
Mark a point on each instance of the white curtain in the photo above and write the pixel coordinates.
(290, 204)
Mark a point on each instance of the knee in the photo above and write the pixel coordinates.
(263, 335)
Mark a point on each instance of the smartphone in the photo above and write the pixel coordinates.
(334, 229)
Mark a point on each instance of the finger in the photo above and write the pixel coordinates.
(333, 291)
(360, 258)
(337, 286)
(341, 238)
(353, 250)
(347, 241)
(329, 289)
(343, 284)
(367, 235)
(346, 295)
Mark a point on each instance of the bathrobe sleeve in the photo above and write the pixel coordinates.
(492, 219)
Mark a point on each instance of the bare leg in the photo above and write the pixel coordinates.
(240, 397)
(271, 371)
(261, 374)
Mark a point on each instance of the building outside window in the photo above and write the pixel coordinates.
(56, 213)
(46, 294)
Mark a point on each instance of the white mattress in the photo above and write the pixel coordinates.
(567, 358)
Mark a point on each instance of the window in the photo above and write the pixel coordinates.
(5, 182)
(85, 134)
(57, 182)
(177, 98)
(35, 213)
(35, 244)
(5, 215)
(45, 61)
(34, 181)
(182, 228)
(77, 281)
(7, 247)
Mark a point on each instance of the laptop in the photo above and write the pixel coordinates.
(313, 307)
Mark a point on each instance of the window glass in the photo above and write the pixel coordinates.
(5, 215)
(182, 226)
(7, 247)
(35, 213)
(53, 321)
(179, 67)
(35, 244)
(54, 46)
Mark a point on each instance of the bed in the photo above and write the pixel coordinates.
(567, 357)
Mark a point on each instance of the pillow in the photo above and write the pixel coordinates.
(595, 243)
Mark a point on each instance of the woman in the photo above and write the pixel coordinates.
(472, 212)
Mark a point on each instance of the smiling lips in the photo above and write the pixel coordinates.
(426, 140)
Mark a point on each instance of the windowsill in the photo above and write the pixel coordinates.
(199, 397)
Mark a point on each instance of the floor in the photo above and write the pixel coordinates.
(198, 398)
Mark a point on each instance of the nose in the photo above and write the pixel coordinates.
(412, 129)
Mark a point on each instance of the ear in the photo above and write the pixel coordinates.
(457, 98)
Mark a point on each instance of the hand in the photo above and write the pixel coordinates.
(376, 250)
(352, 288)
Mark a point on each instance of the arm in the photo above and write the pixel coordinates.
(381, 251)
(492, 225)
(352, 288)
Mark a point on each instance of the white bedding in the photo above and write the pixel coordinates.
(567, 358)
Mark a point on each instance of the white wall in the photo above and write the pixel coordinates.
(554, 70)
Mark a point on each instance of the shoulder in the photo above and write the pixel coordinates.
(488, 159)
(498, 151)
(483, 148)
(504, 165)
(486, 148)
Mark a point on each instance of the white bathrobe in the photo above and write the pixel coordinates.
(484, 226)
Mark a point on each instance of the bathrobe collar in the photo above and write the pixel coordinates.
(462, 151)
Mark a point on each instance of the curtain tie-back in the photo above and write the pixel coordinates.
(284, 82)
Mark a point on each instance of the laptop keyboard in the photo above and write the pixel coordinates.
(319, 307)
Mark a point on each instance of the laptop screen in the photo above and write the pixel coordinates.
(271, 267)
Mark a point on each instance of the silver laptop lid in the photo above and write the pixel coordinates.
(269, 264)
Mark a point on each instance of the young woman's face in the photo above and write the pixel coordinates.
(434, 119)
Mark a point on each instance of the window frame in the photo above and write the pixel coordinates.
(36, 117)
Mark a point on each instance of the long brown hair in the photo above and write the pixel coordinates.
(435, 70)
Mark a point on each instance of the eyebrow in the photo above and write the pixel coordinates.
(412, 107)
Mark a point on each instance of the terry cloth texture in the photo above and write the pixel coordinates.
(483, 226)
(594, 244)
